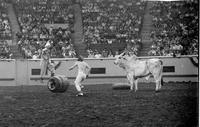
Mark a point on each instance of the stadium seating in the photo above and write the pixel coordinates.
(112, 23)
(32, 17)
(5, 27)
(175, 28)
(5, 52)
(109, 27)
(5, 31)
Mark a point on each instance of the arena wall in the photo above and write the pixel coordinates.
(27, 72)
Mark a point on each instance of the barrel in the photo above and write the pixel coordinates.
(58, 84)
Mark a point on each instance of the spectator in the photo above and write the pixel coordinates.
(175, 27)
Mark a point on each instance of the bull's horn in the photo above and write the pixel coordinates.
(122, 54)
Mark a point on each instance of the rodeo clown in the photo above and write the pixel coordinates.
(46, 63)
(45, 56)
(52, 66)
(83, 72)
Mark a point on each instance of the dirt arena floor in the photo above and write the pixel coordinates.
(26, 106)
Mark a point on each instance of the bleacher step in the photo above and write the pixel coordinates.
(78, 31)
(15, 28)
(146, 31)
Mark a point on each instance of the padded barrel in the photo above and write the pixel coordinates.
(58, 84)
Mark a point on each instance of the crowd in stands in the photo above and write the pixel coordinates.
(109, 27)
(59, 39)
(5, 27)
(105, 53)
(33, 15)
(5, 31)
(110, 22)
(44, 11)
(5, 51)
(175, 28)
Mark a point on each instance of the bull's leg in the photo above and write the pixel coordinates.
(136, 84)
(157, 76)
(158, 80)
(130, 79)
(160, 83)
(157, 85)
(131, 83)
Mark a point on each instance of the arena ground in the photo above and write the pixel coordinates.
(176, 105)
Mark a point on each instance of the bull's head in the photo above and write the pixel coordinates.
(123, 58)
(120, 59)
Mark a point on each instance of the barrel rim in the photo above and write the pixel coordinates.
(61, 83)
(50, 85)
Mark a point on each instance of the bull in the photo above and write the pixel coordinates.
(136, 69)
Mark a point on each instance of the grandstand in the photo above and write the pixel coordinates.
(98, 28)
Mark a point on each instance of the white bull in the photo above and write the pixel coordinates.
(140, 68)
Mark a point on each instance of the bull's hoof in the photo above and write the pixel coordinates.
(130, 90)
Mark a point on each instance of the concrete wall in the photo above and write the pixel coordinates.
(26, 72)
(8, 72)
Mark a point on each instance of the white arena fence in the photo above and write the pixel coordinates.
(104, 71)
